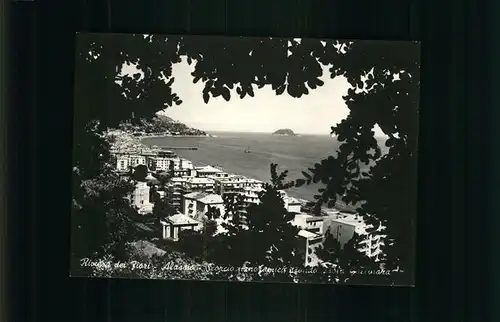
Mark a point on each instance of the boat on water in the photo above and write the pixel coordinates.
(248, 150)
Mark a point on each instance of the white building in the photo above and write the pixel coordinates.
(159, 163)
(186, 164)
(175, 190)
(293, 205)
(236, 184)
(251, 196)
(167, 163)
(308, 222)
(122, 162)
(192, 184)
(344, 227)
(140, 195)
(208, 171)
(175, 224)
(136, 159)
(125, 161)
(308, 242)
(196, 204)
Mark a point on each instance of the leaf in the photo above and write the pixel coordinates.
(250, 91)
(280, 90)
(206, 97)
(299, 182)
(226, 94)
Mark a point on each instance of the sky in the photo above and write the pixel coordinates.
(266, 112)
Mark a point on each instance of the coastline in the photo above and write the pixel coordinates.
(138, 141)
(172, 136)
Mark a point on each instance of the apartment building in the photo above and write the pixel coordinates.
(308, 222)
(197, 204)
(175, 191)
(308, 243)
(192, 184)
(140, 196)
(180, 186)
(125, 161)
(344, 226)
(209, 171)
(293, 205)
(236, 184)
(251, 196)
(159, 163)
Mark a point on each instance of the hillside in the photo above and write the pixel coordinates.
(284, 132)
(160, 125)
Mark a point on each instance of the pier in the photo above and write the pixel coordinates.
(179, 147)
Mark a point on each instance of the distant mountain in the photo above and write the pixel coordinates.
(284, 132)
(161, 125)
(165, 118)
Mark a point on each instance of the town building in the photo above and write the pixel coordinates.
(179, 166)
(308, 222)
(251, 196)
(197, 204)
(344, 226)
(198, 185)
(125, 161)
(178, 187)
(293, 205)
(122, 162)
(182, 173)
(137, 159)
(164, 153)
(159, 163)
(140, 195)
(208, 171)
(308, 243)
(173, 225)
(175, 190)
(235, 184)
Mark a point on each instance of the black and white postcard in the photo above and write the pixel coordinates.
(245, 159)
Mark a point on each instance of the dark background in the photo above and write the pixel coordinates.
(455, 199)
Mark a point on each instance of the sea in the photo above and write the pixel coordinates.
(227, 150)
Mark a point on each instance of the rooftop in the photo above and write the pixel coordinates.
(164, 158)
(358, 222)
(308, 235)
(208, 168)
(293, 201)
(181, 219)
(299, 219)
(177, 179)
(210, 199)
(236, 178)
(315, 218)
(199, 180)
(195, 195)
(253, 189)
(353, 220)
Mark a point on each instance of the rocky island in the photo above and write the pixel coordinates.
(284, 132)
